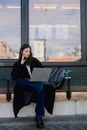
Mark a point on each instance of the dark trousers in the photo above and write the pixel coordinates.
(40, 94)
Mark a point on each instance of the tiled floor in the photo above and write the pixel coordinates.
(50, 123)
(59, 122)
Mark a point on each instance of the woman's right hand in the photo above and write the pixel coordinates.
(23, 60)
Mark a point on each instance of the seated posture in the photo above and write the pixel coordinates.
(26, 91)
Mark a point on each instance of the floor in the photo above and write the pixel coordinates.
(53, 122)
(50, 123)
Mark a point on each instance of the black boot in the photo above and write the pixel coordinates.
(39, 122)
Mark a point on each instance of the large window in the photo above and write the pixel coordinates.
(9, 29)
(54, 30)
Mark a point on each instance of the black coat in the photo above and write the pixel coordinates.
(24, 96)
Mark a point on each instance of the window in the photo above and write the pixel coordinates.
(9, 29)
(54, 26)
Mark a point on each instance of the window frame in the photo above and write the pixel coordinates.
(25, 36)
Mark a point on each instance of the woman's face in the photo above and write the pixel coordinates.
(26, 52)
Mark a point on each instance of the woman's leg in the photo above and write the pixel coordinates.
(40, 103)
(40, 94)
(22, 82)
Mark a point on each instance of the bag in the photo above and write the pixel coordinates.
(57, 77)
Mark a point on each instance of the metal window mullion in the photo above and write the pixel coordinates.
(83, 28)
(86, 30)
(24, 22)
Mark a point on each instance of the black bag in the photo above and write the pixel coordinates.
(57, 77)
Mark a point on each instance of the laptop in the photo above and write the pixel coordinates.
(40, 74)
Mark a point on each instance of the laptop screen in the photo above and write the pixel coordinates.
(40, 74)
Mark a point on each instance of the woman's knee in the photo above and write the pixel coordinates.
(20, 81)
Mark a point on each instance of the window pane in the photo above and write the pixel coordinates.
(54, 26)
(9, 28)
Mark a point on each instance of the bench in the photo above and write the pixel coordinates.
(10, 82)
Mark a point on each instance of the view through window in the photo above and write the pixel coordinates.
(54, 30)
(9, 28)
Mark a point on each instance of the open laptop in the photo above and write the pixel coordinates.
(40, 74)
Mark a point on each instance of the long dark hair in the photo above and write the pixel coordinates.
(20, 53)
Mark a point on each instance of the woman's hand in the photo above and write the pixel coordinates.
(23, 60)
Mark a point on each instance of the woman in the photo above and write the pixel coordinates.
(25, 90)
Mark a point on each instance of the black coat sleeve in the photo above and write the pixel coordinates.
(35, 63)
(19, 70)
